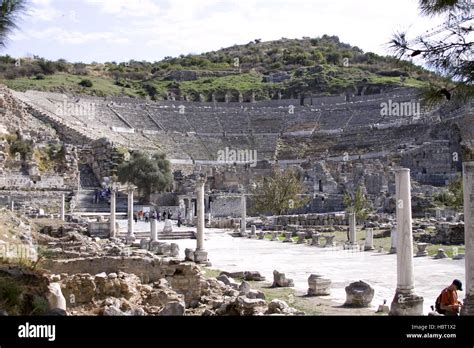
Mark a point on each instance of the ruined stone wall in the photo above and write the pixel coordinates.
(226, 206)
(312, 219)
(103, 157)
(184, 277)
(48, 200)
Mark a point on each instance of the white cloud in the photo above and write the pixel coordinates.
(73, 37)
(43, 10)
(127, 8)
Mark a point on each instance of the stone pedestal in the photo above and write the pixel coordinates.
(201, 256)
(329, 241)
(174, 250)
(468, 186)
(359, 294)
(280, 280)
(168, 227)
(113, 231)
(261, 235)
(318, 286)
(441, 254)
(274, 236)
(301, 237)
(422, 249)
(369, 239)
(188, 254)
(405, 301)
(393, 240)
(153, 230)
(288, 236)
(253, 232)
(315, 239)
(145, 243)
(62, 208)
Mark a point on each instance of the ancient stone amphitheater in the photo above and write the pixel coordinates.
(338, 142)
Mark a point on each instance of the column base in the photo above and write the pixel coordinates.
(130, 238)
(200, 256)
(406, 303)
(393, 250)
(468, 307)
(368, 247)
(355, 247)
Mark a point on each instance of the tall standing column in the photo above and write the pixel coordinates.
(62, 208)
(352, 229)
(153, 231)
(189, 211)
(200, 255)
(113, 232)
(130, 231)
(405, 301)
(12, 204)
(393, 240)
(243, 219)
(468, 186)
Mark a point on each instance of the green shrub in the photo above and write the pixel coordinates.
(21, 146)
(10, 292)
(40, 305)
(86, 83)
(39, 77)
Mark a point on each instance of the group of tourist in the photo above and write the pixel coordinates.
(156, 215)
(102, 195)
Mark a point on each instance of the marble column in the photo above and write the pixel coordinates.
(393, 240)
(369, 239)
(189, 211)
(468, 186)
(200, 255)
(12, 204)
(405, 301)
(112, 229)
(62, 208)
(352, 229)
(153, 231)
(243, 219)
(130, 231)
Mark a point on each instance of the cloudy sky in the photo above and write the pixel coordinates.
(119, 30)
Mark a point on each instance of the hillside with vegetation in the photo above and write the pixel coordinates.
(285, 68)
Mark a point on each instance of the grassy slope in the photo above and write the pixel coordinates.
(306, 61)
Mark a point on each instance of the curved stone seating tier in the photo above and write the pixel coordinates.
(198, 132)
(171, 120)
(137, 117)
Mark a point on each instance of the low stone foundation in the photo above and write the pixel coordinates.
(184, 277)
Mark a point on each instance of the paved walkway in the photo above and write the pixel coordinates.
(342, 267)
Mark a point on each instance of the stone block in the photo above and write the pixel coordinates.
(318, 286)
(359, 294)
(280, 280)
